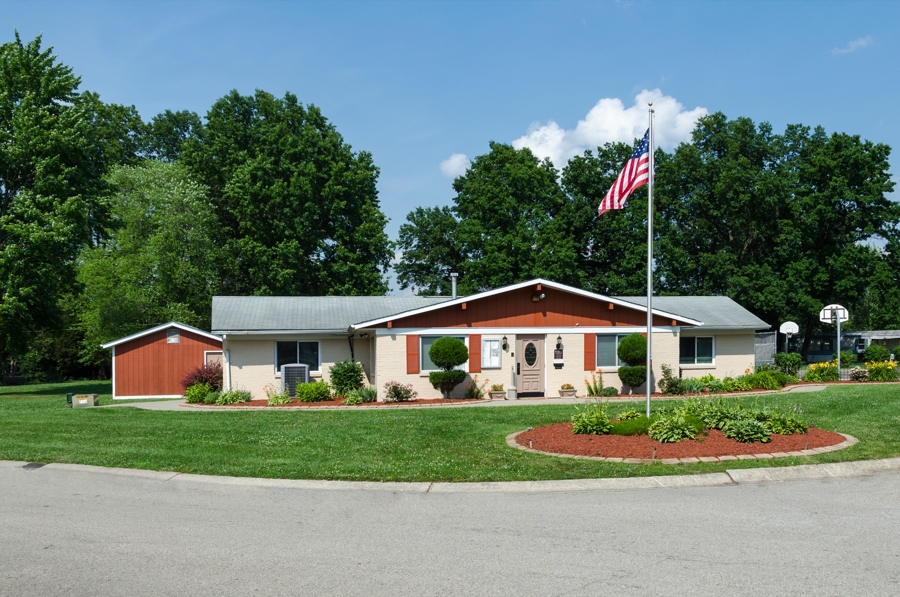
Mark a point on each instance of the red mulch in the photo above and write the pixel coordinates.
(340, 402)
(558, 438)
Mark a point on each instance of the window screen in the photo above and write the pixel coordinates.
(288, 353)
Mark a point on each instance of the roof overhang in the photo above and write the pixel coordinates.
(171, 324)
(271, 332)
(501, 290)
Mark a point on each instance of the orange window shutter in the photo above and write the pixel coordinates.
(474, 353)
(590, 352)
(412, 353)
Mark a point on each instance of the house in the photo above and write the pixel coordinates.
(535, 334)
(152, 363)
(821, 346)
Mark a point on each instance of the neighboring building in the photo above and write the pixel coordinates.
(152, 363)
(821, 346)
(536, 334)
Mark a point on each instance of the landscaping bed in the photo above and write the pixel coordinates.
(559, 439)
(339, 401)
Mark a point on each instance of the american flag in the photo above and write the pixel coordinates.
(635, 173)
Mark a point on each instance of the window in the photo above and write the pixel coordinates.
(490, 354)
(425, 363)
(860, 345)
(305, 353)
(607, 351)
(173, 336)
(696, 350)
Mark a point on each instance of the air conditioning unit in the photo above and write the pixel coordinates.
(291, 375)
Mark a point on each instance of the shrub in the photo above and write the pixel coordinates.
(637, 426)
(788, 362)
(859, 374)
(669, 384)
(233, 397)
(848, 357)
(718, 413)
(883, 371)
(764, 380)
(313, 392)
(628, 414)
(747, 431)
(593, 419)
(211, 398)
(209, 374)
(708, 379)
(595, 385)
(822, 372)
(396, 392)
(735, 385)
(346, 376)
(609, 392)
(196, 393)
(352, 399)
(672, 427)
(717, 386)
(784, 378)
(876, 353)
(448, 352)
(474, 390)
(786, 423)
(690, 385)
(633, 376)
(633, 350)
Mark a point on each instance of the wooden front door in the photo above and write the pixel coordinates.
(530, 366)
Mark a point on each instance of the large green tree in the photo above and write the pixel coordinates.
(50, 188)
(298, 210)
(507, 224)
(158, 262)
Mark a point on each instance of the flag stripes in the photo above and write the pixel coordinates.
(635, 174)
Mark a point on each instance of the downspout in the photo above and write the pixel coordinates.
(227, 364)
(350, 341)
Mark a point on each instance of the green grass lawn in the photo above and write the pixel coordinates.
(455, 444)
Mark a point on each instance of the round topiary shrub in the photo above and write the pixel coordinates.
(633, 350)
(445, 381)
(448, 353)
(633, 376)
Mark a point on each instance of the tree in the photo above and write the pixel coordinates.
(50, 189)
(507, 224)
(158, 262)
(167, 133)
(447, 353)
(297, 208)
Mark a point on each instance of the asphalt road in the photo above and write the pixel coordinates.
(79, 532)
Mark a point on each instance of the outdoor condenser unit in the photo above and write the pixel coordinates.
(291, 375)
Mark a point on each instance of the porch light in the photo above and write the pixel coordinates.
(559, 341)
(505, 344)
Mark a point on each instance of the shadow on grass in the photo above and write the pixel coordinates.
(59, 389)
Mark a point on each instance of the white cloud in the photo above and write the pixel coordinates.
(611, 121)
(455, 165)
(854, 45)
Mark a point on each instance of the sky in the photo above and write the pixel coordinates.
(425, 86)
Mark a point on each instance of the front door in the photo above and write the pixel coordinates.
(530, 366)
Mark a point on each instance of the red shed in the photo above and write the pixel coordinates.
(152, 363)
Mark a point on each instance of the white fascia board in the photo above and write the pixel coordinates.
(171, 324)
(532, 331)
(266, 333)
(520, 285)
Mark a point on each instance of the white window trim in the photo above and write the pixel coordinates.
(318, 370)
(423, 372)
(695, 364)
(499, 342)
(609, 367)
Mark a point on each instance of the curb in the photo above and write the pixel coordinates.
(849, 440)
(862, 468)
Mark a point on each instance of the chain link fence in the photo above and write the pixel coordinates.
(765, 348)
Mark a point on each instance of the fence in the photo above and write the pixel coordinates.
(765, 347)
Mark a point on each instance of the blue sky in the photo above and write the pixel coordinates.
(416, 82)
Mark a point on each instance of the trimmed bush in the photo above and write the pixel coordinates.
(210, 374)
(196, 393)
(445, 381)
(875, 353)
(346, 376)
(233, 397)
(448, 352)
(609, 392)
(394, 391)
(633, 376)
(313, 392)
(593, 419)
(788, 362)
(633, 350)
(748, 431)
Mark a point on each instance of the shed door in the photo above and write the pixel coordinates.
(530, 366)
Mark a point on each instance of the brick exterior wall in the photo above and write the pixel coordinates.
(734, 354)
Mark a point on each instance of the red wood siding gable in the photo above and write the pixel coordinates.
(516, 308)
(150, 366)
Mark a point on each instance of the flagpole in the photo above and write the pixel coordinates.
(649, 381)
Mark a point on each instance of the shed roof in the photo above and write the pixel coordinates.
(307, 314)
(716, 312)
(153, 330)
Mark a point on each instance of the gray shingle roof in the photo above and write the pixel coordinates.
(247, 314)
(717, 312)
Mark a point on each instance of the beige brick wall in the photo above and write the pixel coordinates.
(252, 361)
(734, 354)
(664, 346)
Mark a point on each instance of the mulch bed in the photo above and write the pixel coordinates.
(340, 402)
(559, 439)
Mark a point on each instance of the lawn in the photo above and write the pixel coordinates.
(456, 444)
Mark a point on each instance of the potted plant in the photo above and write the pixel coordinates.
(497, 392)
(566, 390)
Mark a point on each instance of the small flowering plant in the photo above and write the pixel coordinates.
(474, 390)
(276, 397)
(595, 384)
(567, 386)
(394, 391)
(496, 387)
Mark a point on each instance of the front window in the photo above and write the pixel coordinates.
(425, 363)
(696, 350)
(608, 349)
(289, 353)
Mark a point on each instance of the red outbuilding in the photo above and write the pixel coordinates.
(152, 363)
